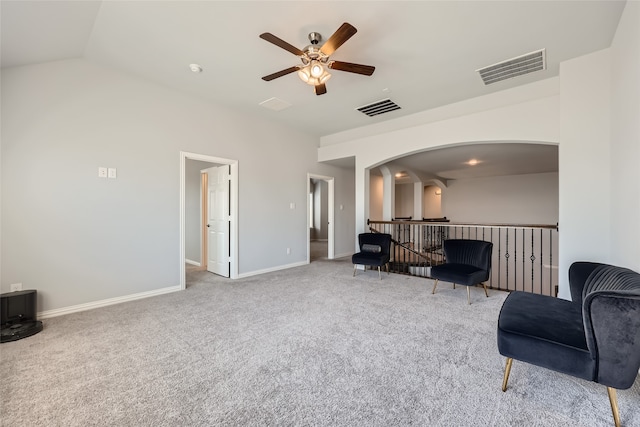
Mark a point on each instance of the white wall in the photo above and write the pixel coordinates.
(404, 201)
(432, 202)
(584, 158)
(625, 140)
(77, 238)
(517, 199)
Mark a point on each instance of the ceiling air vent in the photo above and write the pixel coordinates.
(524, 64)
(378, 107)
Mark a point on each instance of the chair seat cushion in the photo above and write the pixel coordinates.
(370, 258)
(545, 331)
(461, 274)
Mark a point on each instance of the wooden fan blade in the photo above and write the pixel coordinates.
(281, 43)
(280, 73)
(367, 70)
(320, 89)
(342, 34)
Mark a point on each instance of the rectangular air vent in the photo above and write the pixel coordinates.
(378, 107)
(524, 64)
(275, 104)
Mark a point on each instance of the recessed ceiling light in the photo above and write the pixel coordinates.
(473, 162)
(195, 68)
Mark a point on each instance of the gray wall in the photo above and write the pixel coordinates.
(516, 199)
(432, 202)
(404, 201)
(78, 239)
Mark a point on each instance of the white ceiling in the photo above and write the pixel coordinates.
(425, 52)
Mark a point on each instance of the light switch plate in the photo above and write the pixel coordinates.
(102, 172)
(112, 173)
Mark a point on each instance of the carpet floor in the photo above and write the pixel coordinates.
(307, 346)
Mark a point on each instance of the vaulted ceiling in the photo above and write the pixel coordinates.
(426, 53)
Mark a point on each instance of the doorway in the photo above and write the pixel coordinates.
(230, 211)
(320, 217)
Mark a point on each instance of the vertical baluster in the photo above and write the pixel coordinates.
(506, 256)
(491, 240)
(499, 257)
(523, 262)
(515, 259)
(533, 258)
(541, 260)
(551, 289)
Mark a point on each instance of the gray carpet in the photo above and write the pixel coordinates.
(306, 346)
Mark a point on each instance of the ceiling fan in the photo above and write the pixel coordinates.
(315, 58)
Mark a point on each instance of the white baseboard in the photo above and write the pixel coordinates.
(188, 261)
(105, 302)
(348, 254)
(269, 270)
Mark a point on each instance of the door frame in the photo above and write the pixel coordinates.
(233, 235)
(330, 215)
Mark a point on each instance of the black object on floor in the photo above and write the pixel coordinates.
(18, 315)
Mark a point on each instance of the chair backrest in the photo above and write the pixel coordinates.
(471, 252)
(379, 239)
(611, 316)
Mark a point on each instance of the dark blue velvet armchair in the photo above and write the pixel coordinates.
(375, 250)
(467, 262)
(596, 336)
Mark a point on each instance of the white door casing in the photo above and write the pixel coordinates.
(233, 235)
(219, 220)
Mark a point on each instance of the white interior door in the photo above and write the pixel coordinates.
(219, 219)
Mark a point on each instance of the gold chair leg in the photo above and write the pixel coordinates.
(355, 267)
(485, 290)
(507, 371)
(435, 283)
(614, 405)
(469, 295)
(379, 274)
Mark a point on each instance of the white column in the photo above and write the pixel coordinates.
(418, 200)
(388, 194)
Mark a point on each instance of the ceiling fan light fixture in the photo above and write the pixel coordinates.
(316, 69)
(314, 74)
(305, 74)
(315, 66)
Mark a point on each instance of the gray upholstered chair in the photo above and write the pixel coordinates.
(596, 336)
(375, 250)
(467, 262)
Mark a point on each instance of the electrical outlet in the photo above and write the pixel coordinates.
(288, 251)
(16, 287)
(112, 173)
(102, 172)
